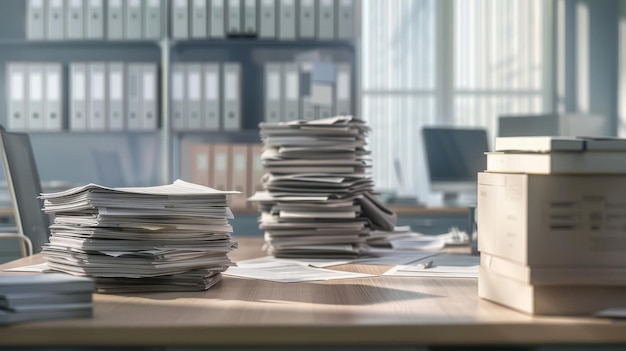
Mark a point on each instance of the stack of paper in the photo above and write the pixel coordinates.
(32, 297)
(317, 200)
(174, 237)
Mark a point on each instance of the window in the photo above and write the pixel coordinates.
(445, 62)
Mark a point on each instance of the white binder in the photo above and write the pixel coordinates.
(211, 100)
(149, 100)
(326, 19)
(95, 19)
(178, 96)
(273, 83)
(291, 91)
(35, 20)
(287, 19)
(345, 19)
(53, 103)
(194, 96)
(180, 19)
(343, 89)
(216, 19)
(115, 96)
(115, 19)
(152, 28)
(306, 19)
(133, 19)
(199, 18)
(96, 119)
(55, 19)
(78, 96)
(231, 117)
(250, 18)
(34, 98)
(233, 19)
(133, 96)
(75, 19)
(267, 19)
(16, 95)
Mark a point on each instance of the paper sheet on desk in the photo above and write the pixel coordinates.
(286, 271)
(443, 266)
(40, 267)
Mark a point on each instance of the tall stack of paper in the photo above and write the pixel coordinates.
(173, 237)
(551, 223)
(34, 297)
(316, 200)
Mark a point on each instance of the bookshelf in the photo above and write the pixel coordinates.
(149, 157)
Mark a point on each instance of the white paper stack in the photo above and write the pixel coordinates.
(317, 200)
(33, 297)
(173, 237)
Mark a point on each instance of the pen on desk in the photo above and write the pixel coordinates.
(426, 265)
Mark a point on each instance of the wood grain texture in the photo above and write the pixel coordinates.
(368, 311)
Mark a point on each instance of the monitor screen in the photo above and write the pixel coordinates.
(454, 157)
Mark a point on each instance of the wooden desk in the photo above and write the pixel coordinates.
(372, 311)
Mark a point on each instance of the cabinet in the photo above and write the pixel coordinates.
(125, 157)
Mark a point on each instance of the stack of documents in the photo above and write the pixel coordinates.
(316, 200)
(32, 297)
(552, 220)
(173, 237)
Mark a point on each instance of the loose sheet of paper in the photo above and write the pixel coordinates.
(443, 266)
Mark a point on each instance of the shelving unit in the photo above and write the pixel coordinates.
(148, 157)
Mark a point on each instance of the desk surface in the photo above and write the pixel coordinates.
(369, 311)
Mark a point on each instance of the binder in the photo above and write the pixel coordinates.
(345, 19)
(133, 19)
(53, 104)
(152, 20)
(199, 19)
(178, 96)
(216, 19)
(255, 165)
(16, 94)
(221, 177)
(287, 19)
(75, 19)
(273, 82)
(233, 19)
(326, 19)
(307, 111)
(267, 19)
(250, 18)
(95, 19)
(239, 174)
(201, 160)
(194, 96)
(149, 100)
(133, 96)
(342, 90)
(231, 118)
(115, 19)
(115, 97)
(211, 101)
(322, 97)
(96, 119)
(35, 20)
(78, 96)
(180, 19)
(291, 91)
(35, 101)
(55, 19)
(306, 19)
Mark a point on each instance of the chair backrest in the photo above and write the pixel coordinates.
(24, 186)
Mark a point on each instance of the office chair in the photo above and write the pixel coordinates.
(24, 187)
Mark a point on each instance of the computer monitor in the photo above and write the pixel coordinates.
(454, 156)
